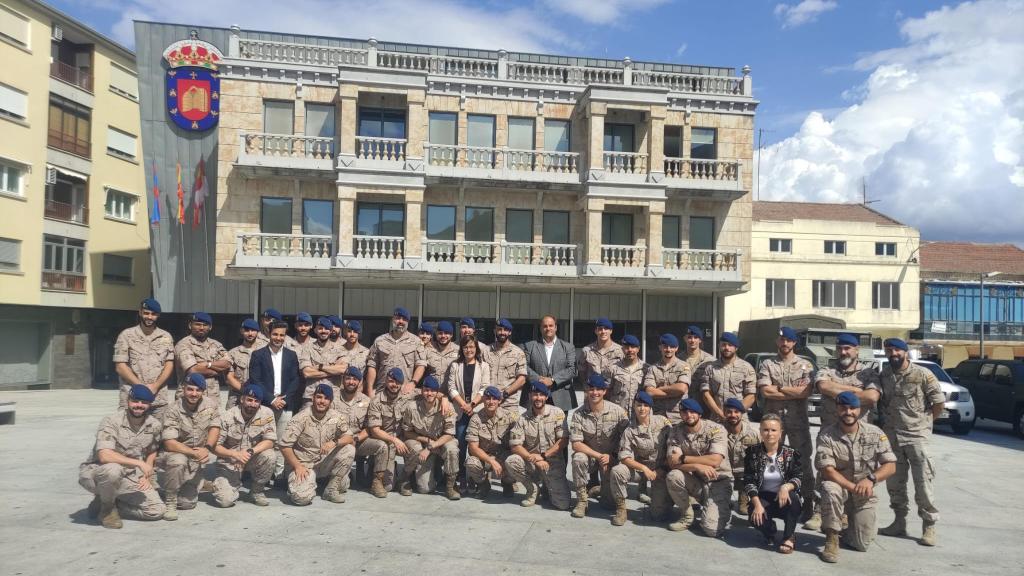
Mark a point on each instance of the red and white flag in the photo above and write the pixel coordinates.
(200, 190)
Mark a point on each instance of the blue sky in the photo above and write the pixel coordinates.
(851, 91)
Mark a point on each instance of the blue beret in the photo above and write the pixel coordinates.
(426, 327)
(848, 399)
(504, 323)
(431, 383)
(445, 326)
(847, 340)
(597, 381)
(303, 317)
(788, 333)
(731, 338)
(324, 321)
(735, 404)
(692, 405)
(644, 398)
(254, 390)
(897, 343)
(401, 312)
(669, 340)
(493, 392)
(694, 331)
(397, 375)
(326, 389)
(142, 393)
(630, 340)
(198, 380)
(539, 386)
(202, 317)
(354, 372)
(355, 326)
(467, 321)
(603, 322)
(150, 304)
(272, 313)
(250, 324)
(336, 320)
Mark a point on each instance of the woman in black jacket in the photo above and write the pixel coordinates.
(771, 479)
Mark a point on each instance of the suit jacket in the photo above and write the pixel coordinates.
(561, 369)
(455, 386)
(261, 372)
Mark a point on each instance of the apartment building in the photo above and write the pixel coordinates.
(74, 237)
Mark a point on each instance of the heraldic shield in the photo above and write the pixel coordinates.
(193, 85)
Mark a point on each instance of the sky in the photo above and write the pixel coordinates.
(919, 103)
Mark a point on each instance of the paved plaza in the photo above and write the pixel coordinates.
(44, 529)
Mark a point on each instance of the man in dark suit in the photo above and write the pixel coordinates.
(275, 368)
(552, 361)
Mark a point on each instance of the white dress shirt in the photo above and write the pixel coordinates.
(275, 359)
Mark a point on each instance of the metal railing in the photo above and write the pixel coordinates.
(704, 260)
(378, 247)
(375, 148)
(699, 169)
(289, 245)
(618, 256)
(288, 145)
(625, 162)
(63, 281)
(71, 74)
(55, 210)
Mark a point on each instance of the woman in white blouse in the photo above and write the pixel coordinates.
(465, 382)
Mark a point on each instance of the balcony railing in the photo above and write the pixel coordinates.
(259, 250)
(540, 254)
(499, 257)
(440, 65)
(515, 163)
(691, 83)
(289, 145)
(379, 247)
(61, 141)
(562, 74)
(374, 148)
(63, 211)
(702, 260)
(698, 169)
(71, 75)
(63, 281)
(269, 51)
(625, 162)
(618, 256)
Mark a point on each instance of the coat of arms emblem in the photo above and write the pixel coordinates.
(193, 85)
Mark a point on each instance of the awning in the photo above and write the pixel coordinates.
(69, 173)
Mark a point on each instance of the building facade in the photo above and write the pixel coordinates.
(351, 176)
(74, 238)
(845, 261)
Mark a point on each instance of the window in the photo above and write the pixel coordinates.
(63, 254)
(120, 205)
(520, 137)
(673, 141)
(318, 217)
(440, 222)
(479, 224)
(10, 254)
(780, 245)
(13, 102)
(443, 131)
(556, 135)
(124, 82)
(70, 126)
(320, 124)
(381, 123)
(779, 293)
(480, 138)
(278, 117)
(885, 295)
(617, 229)
(380, 219)
(885, 249)
(618, 137)
(11, 179)
(14, 26)
(835, 246)
(670, 232)
(702, 233)
(67, 199)
(834, 294)
(555, 227)
(276, 215)
(702, 143)
(120, 144)
(117, 269)
(519, 226)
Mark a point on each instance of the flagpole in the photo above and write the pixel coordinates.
(206, 244)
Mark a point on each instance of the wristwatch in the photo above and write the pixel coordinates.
(872, 477)
(209, 364)
(320, 367)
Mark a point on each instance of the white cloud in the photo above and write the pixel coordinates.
(937, 131)
(804, 12)
(603, 11)
(682, 48)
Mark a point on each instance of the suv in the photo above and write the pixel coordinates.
(997, 387)
(959, 411)
(813, 402)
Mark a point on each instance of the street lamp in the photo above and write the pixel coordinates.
(981, 312)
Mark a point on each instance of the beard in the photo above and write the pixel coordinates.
(845, 362)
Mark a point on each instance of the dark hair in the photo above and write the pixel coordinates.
(462, 344)
(278, 324)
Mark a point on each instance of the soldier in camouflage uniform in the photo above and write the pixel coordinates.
(642, 451)
(699, 469)
(595, 433)
(538, 442)
(239, 356)
(248, 432)
(354, 405)
(507, 362)
(429, 433)
(191, 428)
(439, 354)
(198, 353)
(269, 316)
(488, 438)
(599, 354)
(144, 354)
(396, 349)
(741, 435)
(322, 362)
(384, 421)
(668, 380)
(356, 352)
(303, 333)
(626, 376)
(727, 377)
(694, 355)
(317, 443)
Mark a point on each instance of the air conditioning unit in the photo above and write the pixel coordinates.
(51, 175)
(58, 33)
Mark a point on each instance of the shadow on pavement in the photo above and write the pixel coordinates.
(992, 433)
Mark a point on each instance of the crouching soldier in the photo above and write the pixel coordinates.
(245, 444)
(191, 429)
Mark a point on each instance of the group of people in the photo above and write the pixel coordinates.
(317, 405)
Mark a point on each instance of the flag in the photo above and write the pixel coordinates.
(199, 192)
(181, 198)
(154, 213)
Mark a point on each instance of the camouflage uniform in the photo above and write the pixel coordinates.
(420, 419)
(661, 375)
(329, 354)
(715, 495)
(507, 364)
(858, 376)
(593, 359)
(183, 473)
(190, 352)
(646, 445)
(601, 431)
(537, 434)
(492, 433)
(386, 414)
(238, 434)
(119, 483)
(240, 356)
(624, 382)
(387, 352)
(305, 435)
(697, 360)
(733, 380)
(795, 426)
(145, 356)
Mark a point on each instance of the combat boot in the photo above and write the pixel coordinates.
(508, 489)
(928, 534)
(531, 494)
(405, 488)
(451, 492)
(109, 516)
(685, 520)
(172, 507)
(94, 508)
(332, 492)
(581, 503)
(641, 488)
(831, 552)
(377, 488)
(258, 497)
(898, 526)
(620, 512)
(814, 522)
(483, 489)
(743, 505)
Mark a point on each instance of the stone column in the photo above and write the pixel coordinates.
(346, 223)
(348, 111)
(592, 243)
(413, 227)
(595, 134)
(654, 211)
(656, 143)
(416, 134)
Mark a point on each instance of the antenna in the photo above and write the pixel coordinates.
(864, 192)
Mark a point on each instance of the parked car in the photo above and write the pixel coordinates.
(813, 402)
(997, 387)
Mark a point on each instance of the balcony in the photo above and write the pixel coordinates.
(704, 175)
(71, 74)
(720, 265)
(54, 210)
(296, 251)
(258, 150)
(503, 258)
(378, 252)
(63, 281)
(67, 143)
(485, 163)
(625, 162)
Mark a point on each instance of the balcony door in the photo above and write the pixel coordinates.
(480, 139)
(320, 124)
(66, 200)
(443, 132)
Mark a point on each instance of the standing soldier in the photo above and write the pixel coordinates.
(668, 380)
(191, 429)
(741, 435)
(725, 378)
(595, 433)
(538, 442)
(322, 362)
(337, 327)
(119, 470)
(911, 401)
(239, 357)
(144, 354)
(467, 327)
(246, 444)
(198, 353)
(785, 383)
(384, 419)
(440, 352)
(600, 353)
(356, 352)
(426, 333)
(698, 459)
(695, 356)
(642, 451)
(303, 326)
(429, 433)
(353, 405)
(488, 438)
(396, 349)
(315, 444)
(625, 376)
(507, 362)
(269, 316)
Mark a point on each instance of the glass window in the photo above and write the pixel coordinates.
(780, 245)
(479, 224)
(69, 127)
(117, 269)
(63, 254)
(13, 103)
(885, 295)
(834, 294)
(440, 222)
(120, 205)
(835, 246)
(320, 124)
(556, 135)
(443, 131)
(520, 133)
(10, 179)
(556, 227)
(121, 143)
(670, 234)
(617, 229)
(702, 143)
(702, 233)
(519, 226)
(278, 117)
(480, 134)
(276, 215)
(618, 137)
(10, 254)
(673, 141)
(381, 123)
(380, 219)
(779, 293)
(318, 217)
(885, 248)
